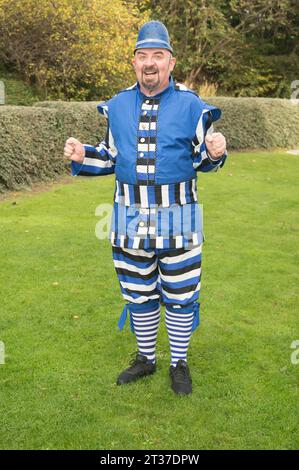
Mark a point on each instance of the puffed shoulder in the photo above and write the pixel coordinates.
(183, 88)
(103, 107)
(130, 88)
(197, 103)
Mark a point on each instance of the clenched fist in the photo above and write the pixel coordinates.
(216, 144)
(74, 150)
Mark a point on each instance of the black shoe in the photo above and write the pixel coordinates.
(181, 378)
(138, 368)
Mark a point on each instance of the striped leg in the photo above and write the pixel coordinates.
(146, 325)
(180, 272)
(138, 274)
(179, 328)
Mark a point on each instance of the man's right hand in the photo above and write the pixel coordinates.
(74, 150)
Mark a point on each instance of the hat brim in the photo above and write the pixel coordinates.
(151, 44)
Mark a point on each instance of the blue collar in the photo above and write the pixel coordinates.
(166, 90)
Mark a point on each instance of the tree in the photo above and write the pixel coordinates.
(70, 48)
(233, 42)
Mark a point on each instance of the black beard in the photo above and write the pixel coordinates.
(151, 86)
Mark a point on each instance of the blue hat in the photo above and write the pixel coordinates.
(153, 34)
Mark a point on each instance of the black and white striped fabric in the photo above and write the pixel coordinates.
(179, 329)
(147, 277)
(162, 195)
(146, 326)
(147, 142)
(170, 275)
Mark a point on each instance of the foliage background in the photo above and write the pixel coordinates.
(82, 49)
(243, 47)
(69, 48)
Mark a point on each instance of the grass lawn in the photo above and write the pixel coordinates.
(60, 303)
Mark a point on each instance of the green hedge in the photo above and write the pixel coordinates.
(32, 138)
(247, 123)
(258, 123)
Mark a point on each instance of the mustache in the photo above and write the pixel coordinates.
(149, 70)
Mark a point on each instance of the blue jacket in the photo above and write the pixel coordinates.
(155, 145)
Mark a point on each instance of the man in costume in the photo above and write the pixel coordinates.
(159, 135)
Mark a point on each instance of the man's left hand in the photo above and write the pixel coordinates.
(215, 144)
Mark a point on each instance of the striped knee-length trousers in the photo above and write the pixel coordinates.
(147, 277)
(173, 276)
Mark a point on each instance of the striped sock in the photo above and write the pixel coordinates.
(146, 329)
(179, 326)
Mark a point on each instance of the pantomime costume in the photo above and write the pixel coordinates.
(155, 145)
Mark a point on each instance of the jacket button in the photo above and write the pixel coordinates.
(142, 139)
(141, 154)
(141, 224)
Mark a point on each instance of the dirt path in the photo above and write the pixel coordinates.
(35, 189)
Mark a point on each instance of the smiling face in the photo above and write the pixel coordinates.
(153, 67)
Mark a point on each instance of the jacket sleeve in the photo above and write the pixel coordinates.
(101, 159)
(202, 161)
